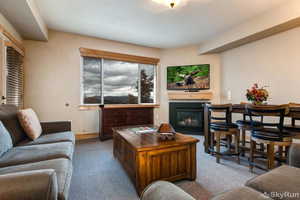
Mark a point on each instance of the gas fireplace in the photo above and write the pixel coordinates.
(187, 117)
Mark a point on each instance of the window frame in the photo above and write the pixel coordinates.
(8, 40)
(102, 84)
(154, 86)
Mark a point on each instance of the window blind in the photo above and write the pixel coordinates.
(14, 77)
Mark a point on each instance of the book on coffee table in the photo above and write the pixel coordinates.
(143, 129)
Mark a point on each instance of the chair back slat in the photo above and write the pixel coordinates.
(295, 112)
(219, 118)
(215, 110)
(268, 111)
(246, 115)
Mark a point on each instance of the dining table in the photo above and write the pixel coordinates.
(293, 113)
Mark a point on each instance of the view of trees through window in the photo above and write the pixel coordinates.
(147, 83)
(117, 82)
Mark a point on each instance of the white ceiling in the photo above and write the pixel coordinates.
(147, 23)
(24, 17)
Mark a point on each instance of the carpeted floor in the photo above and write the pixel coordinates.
(97, 175)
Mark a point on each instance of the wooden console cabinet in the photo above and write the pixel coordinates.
(114, 117)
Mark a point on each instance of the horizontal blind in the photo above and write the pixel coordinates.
(14, 78)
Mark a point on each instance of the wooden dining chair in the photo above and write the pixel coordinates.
(271, 133)
(244, 125)
(295, 116)
(220, 123)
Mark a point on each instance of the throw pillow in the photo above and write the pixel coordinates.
(5, 140)
(30, 123)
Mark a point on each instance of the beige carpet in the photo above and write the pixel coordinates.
(97, 175)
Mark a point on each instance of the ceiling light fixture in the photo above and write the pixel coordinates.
(170, 3)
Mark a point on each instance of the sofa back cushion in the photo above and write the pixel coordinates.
(9, 118)
(30, 123)
(5, 140)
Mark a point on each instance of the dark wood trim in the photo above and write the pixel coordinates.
(206, 130)
(110, 118)
(117, 56)
(115, 106)
(294, 112)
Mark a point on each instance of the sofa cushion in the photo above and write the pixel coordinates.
(241, 193)
(164, 190)
(8, 116)
(30, 123)
(29, 185)
(5, 140)
(35, 153)
(62, 167)
(280, 181)
(51, 138)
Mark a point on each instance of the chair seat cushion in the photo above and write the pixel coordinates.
(271, 134)
(241, 193)
(248, 123)
(222, 126)
(280, 180)
(62, 167)
(35, 153)
(51, 138)
(291, 128)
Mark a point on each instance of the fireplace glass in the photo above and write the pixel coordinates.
(187, 117)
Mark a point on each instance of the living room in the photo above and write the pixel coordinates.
(117, 99)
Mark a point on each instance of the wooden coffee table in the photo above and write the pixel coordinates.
(146, 159)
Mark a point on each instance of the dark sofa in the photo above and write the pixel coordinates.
(39, 169)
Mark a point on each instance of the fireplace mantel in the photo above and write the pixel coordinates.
(190, 95)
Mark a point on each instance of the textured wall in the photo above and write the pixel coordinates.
(273, 61)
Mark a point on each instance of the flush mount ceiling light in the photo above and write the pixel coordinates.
(170, 3)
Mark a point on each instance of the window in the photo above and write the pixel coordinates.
(120, 82)
(106, 81)
(91, 75)
(14, 78)
(147, 83)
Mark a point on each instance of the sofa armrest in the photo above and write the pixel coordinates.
(294, 155)
(55, 127)
(29, 185)
(163, 190)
